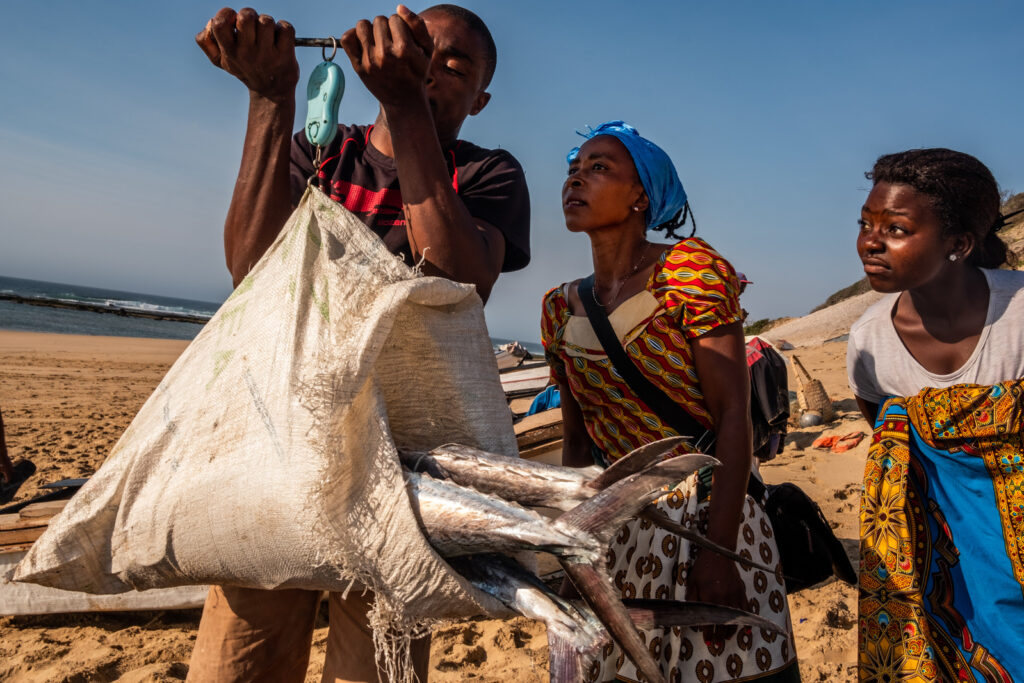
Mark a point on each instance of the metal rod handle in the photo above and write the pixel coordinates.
(316, 42)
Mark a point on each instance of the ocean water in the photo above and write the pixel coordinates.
(29, 318)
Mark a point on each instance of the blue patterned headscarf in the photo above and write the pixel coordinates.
(657, 174)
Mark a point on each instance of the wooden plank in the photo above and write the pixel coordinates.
(534, 372)
(16, 521)
(537, 420)
(25, 526)
(522, 387)
(22, 535)
(539, 436)
(27, 598)
(28, 524)
(44, 510)
(539, 428)
(512, 394)
(519, 406)
(20, 548)
(550, 453)
(522, 365)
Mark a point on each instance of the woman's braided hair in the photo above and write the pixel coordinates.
(963, 192)
(670, 226)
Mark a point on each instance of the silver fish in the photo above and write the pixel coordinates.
(459, 520)
(528, 482)
(576, 638)
(562, 488)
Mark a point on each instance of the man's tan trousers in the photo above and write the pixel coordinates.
(260, 636)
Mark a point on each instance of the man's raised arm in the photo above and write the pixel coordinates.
(396, 61)
(261, 54)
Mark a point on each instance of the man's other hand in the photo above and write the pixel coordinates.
(391, 55)
(255, 49)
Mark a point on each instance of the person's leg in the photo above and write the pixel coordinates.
(350, 655)
(254, 635)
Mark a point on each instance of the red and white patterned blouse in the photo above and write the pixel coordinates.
(691, 291)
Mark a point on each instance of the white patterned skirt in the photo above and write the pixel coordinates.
(649, 562)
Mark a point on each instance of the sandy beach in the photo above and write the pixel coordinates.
(66, 399)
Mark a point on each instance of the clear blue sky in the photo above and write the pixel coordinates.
(120, 142)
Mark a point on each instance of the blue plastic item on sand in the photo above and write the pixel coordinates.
(545, 400)
(323, 97)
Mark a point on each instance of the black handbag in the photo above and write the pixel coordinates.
(809, 551)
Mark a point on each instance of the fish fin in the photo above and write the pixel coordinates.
(571, 646)
(656, 516)
(635, 461)
(603, 514)
(651, 614)
(597, 590)
(565, 662)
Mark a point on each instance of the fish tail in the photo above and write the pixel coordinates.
(656, 516)
(565, 662)
(597, 590)
(604, 513)
(651, 614)
(601, 516)
(575, 637)
(635, 461)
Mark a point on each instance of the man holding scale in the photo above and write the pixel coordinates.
(458, 210)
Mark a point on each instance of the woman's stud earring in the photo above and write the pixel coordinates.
(953, 257)
(636, 208)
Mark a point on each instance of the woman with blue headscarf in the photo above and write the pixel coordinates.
(674, 308)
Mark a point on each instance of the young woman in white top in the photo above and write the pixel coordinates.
(941, 534)
(928, 234)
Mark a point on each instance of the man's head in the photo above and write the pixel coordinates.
(463, 63)
(476, 25)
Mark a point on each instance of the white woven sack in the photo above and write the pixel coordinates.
(266, 457)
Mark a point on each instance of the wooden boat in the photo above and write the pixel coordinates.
(540, 436)
(525, 381)
(514, 355)
(17, 533)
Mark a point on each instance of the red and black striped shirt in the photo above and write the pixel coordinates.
(490, 182)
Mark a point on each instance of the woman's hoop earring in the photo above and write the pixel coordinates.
(953, 257)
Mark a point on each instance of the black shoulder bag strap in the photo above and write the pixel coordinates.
(666, 409)
(656, 399)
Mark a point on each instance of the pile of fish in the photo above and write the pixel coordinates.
(472, 506)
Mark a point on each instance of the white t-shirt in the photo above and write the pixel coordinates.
(879, 365)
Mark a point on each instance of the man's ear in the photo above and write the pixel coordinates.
(479, 102)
